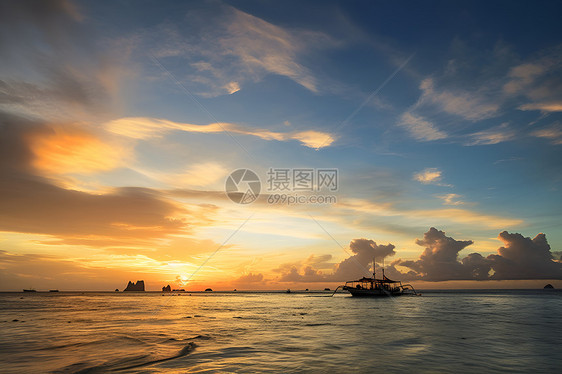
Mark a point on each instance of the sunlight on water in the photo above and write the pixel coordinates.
(461, 331)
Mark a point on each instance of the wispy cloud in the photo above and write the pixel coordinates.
(69, 149)
(543, 107)
(420, 128)
(472, 106)
(554, 133)
(144, 128)
(537, 80)
(451, 199)
(233, 48)
(494, 135)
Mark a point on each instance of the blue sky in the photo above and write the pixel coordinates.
(436, 114)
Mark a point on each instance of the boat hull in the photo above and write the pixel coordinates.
(371, 293)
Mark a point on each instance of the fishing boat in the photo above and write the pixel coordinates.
(373, 287)
(29, 290)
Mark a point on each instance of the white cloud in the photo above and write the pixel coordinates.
(429, 176)
(419, 128)
(232, 87)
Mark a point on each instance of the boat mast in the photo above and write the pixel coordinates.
(383, 267)
(374, 268)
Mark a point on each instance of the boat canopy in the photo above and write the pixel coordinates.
(368, 280)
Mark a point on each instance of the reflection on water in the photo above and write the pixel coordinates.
(445, 332)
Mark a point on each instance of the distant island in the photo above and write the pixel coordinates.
(548, 286)
(167, 288)
(139, 286)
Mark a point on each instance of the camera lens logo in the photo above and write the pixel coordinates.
(243, 186)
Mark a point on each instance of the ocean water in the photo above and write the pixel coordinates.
(438, 332)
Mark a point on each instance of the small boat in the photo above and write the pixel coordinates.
(29, 290)
(53, 290)
(373, 287)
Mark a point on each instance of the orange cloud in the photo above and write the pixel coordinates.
(144, 128)
(63, 150)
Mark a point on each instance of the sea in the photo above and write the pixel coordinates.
(451, 331)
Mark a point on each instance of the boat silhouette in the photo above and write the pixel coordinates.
(373, 287)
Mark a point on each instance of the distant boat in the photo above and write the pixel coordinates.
(29, 290)
(288, 290)
(373, 287)
(53, 290)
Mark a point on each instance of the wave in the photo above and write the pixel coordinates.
(125, 363)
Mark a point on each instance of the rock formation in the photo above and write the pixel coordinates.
(139, 286)
(549, 286)
(167, 289)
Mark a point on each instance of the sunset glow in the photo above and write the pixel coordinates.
(435, 150)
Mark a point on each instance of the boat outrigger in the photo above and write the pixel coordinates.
(373, 287)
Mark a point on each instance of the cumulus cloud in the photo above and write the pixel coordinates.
(365, 251)
(519, 258)
(439, 261)
(250, 278)
(357, 265)
(144, 128)
(524, 258)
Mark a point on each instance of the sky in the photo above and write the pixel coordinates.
(437, 126)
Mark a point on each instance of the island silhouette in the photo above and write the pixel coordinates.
(139, 286)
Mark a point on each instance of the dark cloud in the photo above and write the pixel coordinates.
(357, 265)
(32, 23)
(31, 203)
(524, 258)
(365, 251)
(521, 258)
(51, 65)
(439, 260)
